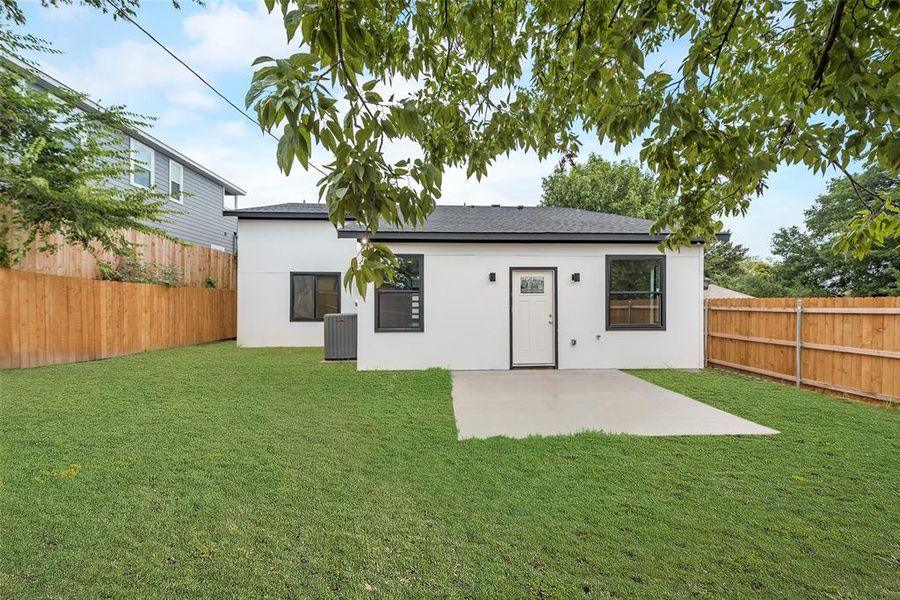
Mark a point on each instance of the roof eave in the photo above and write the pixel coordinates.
(546, 238)
(229, 188)
(272, 215)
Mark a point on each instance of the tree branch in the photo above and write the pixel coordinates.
(856, 185)
(819, 73)
(339, 42)
(578, 38)
(566, 27)
(449, 45)
(722, 44)
(615, 13)
(833, 32)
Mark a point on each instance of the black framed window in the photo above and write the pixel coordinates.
(635, 292)
(400, 306)
(314, 295)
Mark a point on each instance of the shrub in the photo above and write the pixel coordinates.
(210, 283)
(134, 270)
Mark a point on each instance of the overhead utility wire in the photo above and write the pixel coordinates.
(120, 12)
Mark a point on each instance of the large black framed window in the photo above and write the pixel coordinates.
(400, 306)
(314, 295)
(635, 292)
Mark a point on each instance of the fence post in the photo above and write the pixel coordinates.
(799, 342)
(705, 331)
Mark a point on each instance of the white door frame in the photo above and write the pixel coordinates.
(555, 365)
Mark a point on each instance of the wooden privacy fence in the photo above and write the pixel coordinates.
(46, 319)
(846, 345)
(196, 262)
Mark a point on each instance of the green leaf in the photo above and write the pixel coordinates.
(285, 153)
(495, 78)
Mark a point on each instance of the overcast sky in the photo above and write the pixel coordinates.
(117, 64)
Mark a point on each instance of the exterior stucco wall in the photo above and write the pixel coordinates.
(467, 318)
(267, 253)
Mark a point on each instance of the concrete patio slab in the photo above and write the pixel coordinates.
(517, 404)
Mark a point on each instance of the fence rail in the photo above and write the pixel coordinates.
(47, 319)
(845, 345)
(196, 262)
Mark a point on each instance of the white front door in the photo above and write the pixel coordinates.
(533, 318)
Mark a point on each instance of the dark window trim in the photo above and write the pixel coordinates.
(555, 364)
(380, 291)
(315, 295)
(610, 259)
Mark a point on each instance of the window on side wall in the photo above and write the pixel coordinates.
(314, 295)
(142, 164)
(635, 292)
(176, 182)
(400, 306)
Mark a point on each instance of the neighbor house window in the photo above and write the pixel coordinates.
(635, 292)
(176, 182)
(314, 295)
(142, 164)
(399, 306)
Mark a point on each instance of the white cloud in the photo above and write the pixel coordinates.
(512, 181)
(249, 163)
(136, 66)
(193, 99)
(112, 74)
(227, 37)
(174, 117)
(236, 129)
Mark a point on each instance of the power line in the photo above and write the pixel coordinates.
(120, 12)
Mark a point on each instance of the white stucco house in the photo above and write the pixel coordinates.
(480, 287)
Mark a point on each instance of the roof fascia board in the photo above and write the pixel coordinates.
(277, 216)
(634, 238)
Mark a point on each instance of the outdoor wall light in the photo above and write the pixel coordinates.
(576, 277)
(492, 277)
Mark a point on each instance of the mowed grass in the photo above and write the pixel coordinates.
(214, 471)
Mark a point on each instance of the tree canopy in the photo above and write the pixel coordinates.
(57, 163)
(808, 257)
(805, 261)
(760, 84)
(724, 261)
(619, 188)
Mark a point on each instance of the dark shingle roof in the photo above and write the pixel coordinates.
(289, 210)
(524, 219)
(484, 223)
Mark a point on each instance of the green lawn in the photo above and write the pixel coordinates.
(215, 471)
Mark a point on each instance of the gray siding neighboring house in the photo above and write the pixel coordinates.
(199, 219)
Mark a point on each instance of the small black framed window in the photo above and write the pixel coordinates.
(314, 295)
(400, 306)
(635, 292)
